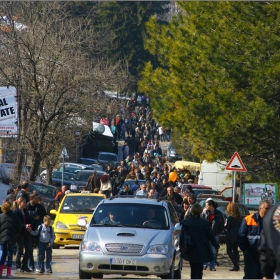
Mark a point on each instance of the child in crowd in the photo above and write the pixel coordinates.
(46, 238)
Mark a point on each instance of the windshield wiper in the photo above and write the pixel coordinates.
(108, 225)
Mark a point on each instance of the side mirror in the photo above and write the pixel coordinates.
(177, 226)
(53, 212)
(82, 223)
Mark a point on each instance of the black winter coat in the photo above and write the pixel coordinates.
(269, 246)
(10, 227)
(22, 223)
(218, 221)
(201, 235)
(232, 226)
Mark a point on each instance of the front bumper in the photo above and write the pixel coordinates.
(149, 264)
(66, 238)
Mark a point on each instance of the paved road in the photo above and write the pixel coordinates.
(66, 264)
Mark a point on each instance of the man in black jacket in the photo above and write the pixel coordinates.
(36, 212)
(24, 191)
(269, 246)
(172, 195)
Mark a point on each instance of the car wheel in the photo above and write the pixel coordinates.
(84, 275)
(178, 272)
(55, 246)
(97, 275)
(171, 273)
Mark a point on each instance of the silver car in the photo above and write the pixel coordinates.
(131, 235)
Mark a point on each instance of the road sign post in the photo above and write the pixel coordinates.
(235, 164)
(63, 155)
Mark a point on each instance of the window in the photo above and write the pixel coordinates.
(108, 157)
(80, 204)
(132, 215)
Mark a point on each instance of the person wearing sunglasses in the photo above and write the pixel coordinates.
(248, 240)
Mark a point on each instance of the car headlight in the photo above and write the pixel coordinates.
(61, 225)
(158, 249)
(90, 246)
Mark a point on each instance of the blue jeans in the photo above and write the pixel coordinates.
(212, 264)
(7, 250)
(42, 251)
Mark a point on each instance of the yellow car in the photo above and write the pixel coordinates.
(74, 206)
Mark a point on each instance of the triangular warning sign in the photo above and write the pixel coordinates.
(236, 164)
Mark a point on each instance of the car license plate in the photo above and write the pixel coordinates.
(122, 261)
(77, 236)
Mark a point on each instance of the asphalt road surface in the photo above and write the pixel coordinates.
(65, 266)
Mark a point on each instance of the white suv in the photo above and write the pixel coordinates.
(131, 235)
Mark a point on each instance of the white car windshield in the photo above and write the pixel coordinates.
(131, 215)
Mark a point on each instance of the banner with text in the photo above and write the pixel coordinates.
(8, 112)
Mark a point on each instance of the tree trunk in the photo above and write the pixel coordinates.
(276, 170)
(35, 166)
(49, 174)
(18, 165)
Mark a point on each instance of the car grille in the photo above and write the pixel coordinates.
(124, 248)
(123, 267)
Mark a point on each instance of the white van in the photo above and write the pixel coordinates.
(213, 174)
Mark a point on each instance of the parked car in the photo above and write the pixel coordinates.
(215, 197)
(81, 178)
(73, 206)
(222, 206)
(143, 241)
(91, 163)
(87, 161)
(68, 167)
(107, 158)
(171, 154)
(197, 189)
(97, 167)
(227, 193)
(57, 179)
(46, 192)
(7, 172)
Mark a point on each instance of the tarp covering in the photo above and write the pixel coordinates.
(190, 165)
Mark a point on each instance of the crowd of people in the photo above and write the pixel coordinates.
(25, 225)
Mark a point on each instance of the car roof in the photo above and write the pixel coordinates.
(86, 194)
(74, 164)
(56, 171)
(136, 200)
(107, 153)
(195, 186)
(213, 196)
(92, 171)
(41, 184)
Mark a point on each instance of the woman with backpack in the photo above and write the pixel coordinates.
(196, 239)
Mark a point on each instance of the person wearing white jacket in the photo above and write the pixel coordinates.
(105, 186)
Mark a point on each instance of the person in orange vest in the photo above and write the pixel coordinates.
(248, 240)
